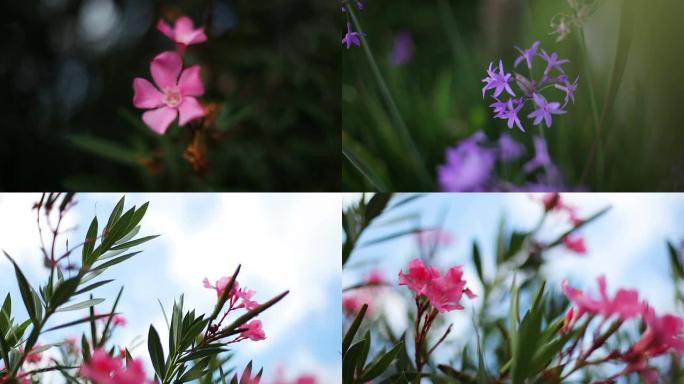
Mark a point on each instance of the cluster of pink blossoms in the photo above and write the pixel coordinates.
(105, 369)
(444, 292)
(663, 333)
(174, 91)
(238, 298)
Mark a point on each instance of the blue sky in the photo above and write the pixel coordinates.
(627, 244)
(283, 241)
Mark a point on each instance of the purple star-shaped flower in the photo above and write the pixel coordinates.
(569, 89)
(352, 38)
(513, 106)
(499, 108)
(544, 110)
(552, 62)
(497, 81)
(527, 55)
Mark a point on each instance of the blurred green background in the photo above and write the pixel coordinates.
(271, 70)
(633, 56)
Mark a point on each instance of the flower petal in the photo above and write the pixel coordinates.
(190, 82)
(165, 28)
(145, 95)
(184, 25)
(189, 109)
(159, 119)
(165, 68)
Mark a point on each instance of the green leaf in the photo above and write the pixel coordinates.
(89, 243)
(105, 149)
(133, 243)
(353, 328)
(92, 286)
(25, 290)
(81, 305)
(64, 291)
(114, 261)
(350, 361)
(675, 261)
(156, 352)
(376, 205)
(578, 226)
(85, 348)
(254, 312)
(477, 260)
(380, 365)
(75, 322)
(116, 214)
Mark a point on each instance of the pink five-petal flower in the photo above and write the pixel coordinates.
(246, 296)
(663, 333)
(445, 292)
(173, 96)
(183, 32)
(625, 304)
(575, 243)
(221, 285)
(253, 331)
(105, 369)
(418, 276)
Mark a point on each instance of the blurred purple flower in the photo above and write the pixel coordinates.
(352, 38)
(402, 50)
(569, 89)
(469, 166)
(541, 156)
(497, 81)
(509, 149)
(527, 55)
(544, 110)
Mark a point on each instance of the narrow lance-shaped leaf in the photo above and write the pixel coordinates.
(353, 328)
(25, 290)
(156, 353)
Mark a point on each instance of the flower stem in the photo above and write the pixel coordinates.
(592, 97)
(402, 130)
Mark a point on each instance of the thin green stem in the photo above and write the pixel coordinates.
(402, 129)
(592, 98)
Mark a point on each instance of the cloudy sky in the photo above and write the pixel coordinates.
(283, 241)
(627, 244)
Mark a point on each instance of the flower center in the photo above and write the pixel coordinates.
(172, 97)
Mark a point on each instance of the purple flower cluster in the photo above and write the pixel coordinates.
(351, 37)
(471, 164)
(530, 89)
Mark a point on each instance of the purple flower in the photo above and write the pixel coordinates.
(352, 38)
(511, 113)
(527, 55)
(544, 110)
(509, 149)
(552, 62)
(569, 89)
(402, 50)
(468, 167)
(541, 157)
(497, 81)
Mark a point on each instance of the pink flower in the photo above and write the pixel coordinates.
(183, 32)
(551, 201)
(119, 320)
(247, 378)
(34, 357)
(105, 369)
(375, 277)
(663, 333)
(625, 304)
(352, 302)
(418, 276)
(434, 236)
(246, 296)
(221, 285)
(253, 331)
(445, 292)
(173, 96)
(575, 243)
